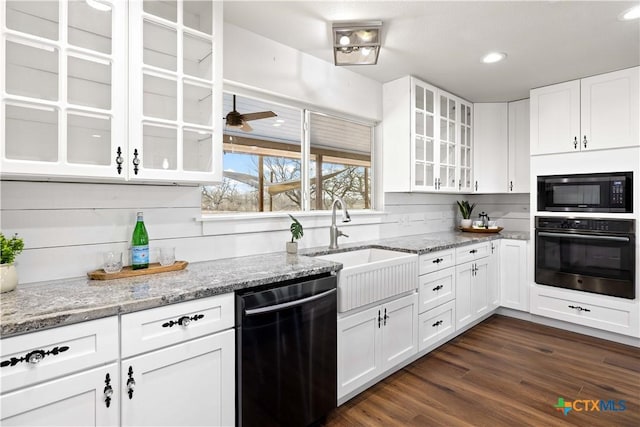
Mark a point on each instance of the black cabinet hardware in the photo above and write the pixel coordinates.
(385, 317)
(183, 321)
(108, 390)
(379, 319)
(438, 323)
(575, 142)
(584, 141)
(473, 251)
(577, 307)
(136, 161)
(34, 357)
(119, 160)
(476, 185)
(437, 288)
(510, 185)
(131, 383)
(438, 260)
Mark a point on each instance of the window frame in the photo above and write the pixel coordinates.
(305, 158)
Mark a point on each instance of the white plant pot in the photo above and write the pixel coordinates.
(8, 277)
(292, 247)
(466, 223)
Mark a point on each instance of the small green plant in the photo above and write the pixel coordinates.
(296, 229)
(465, 208)
(10, 248)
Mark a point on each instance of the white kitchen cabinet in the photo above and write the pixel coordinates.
(596, 311)
(475, 294)
(598, 112)
(518, 147)
(427, 137)
(514, 286)
(62, 376)
(85, 96)
(78, 399)
(436, 288)
(63, 89)
(490, 158)
(493, 274)
(185, 374)
(436, 324)
(375, 340)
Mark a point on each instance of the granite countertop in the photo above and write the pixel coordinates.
(49, 304)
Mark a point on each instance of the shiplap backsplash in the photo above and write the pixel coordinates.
(67, 226)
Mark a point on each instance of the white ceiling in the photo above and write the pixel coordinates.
(442, 42)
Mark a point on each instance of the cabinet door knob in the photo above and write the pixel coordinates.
(108, 390)
(136, 161)
(575, 142)
(510, 185)
(379, 319)
(386, 316)
(131, 383)
(119, 160)
(476, 185)
(584, 141)
(459, 184)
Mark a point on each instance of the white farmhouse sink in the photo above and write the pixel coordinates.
(370, 275)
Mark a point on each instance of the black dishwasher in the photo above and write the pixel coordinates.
(286, 353)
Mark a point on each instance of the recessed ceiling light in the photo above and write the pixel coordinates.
(492, 57)
(628, 15)
(344, 40)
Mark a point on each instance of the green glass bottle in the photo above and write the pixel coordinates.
(140, 245)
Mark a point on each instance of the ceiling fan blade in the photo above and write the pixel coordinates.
(246, 127)
(259, 115)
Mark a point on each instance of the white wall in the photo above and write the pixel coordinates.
(260, 63)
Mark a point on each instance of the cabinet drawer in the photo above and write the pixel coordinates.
(436, 261)
(584, 310)
(437, 288)
(62, 351)
(159, 327)
(436, 324)
(472, 252)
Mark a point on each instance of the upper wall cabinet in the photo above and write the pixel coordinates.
(81, 100)
(594, 113)
(427, 138)
(501, 155)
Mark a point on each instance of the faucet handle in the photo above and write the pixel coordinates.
(340, 233)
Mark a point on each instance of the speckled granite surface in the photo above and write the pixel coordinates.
(48, 304)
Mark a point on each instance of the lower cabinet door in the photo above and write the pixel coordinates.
(73, 400)
(189, 384)
(436, 324)
(359, 342)
(399, 330)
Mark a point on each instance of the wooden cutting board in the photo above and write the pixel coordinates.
(481, 230)
(129, 272)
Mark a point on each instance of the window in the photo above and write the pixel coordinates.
(264, 169)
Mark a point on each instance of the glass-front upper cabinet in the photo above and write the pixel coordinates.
(424, 143)
(63, 89)
(447, 143)
(176, 122)
(465, 160)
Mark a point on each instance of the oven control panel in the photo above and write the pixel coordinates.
(586, 224)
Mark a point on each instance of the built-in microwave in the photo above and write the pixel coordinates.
(592, 192)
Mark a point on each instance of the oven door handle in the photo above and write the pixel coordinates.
(584, 236)
(277, 307)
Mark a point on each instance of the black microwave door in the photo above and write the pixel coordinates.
(574, 196)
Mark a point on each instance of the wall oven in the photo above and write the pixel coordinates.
(593, 192)
(586, 254)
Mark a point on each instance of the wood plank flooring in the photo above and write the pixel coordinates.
(504, 372)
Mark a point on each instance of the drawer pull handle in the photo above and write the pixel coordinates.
(438, 260)
(108, 391)
(131, 383)
(437, 288)
(183, 321)
(34, 357)
(577, 307)
(473, 251)
(438, 323)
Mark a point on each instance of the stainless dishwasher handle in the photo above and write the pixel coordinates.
(583, 236)
(277, 307)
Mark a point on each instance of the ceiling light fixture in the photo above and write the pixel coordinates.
(630, 14)
(356, 43)
(492, 57)
(98, 6)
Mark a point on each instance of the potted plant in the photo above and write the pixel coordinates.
(465, 210)
(10, 248)
(296, 233)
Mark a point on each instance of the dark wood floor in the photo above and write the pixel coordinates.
(504, 372)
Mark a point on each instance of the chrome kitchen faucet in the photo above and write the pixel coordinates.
(334, 233)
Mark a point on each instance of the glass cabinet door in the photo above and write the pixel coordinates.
(447, 143)
(465, 179)
(423, 134)
(176, 99)
(63, 88)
